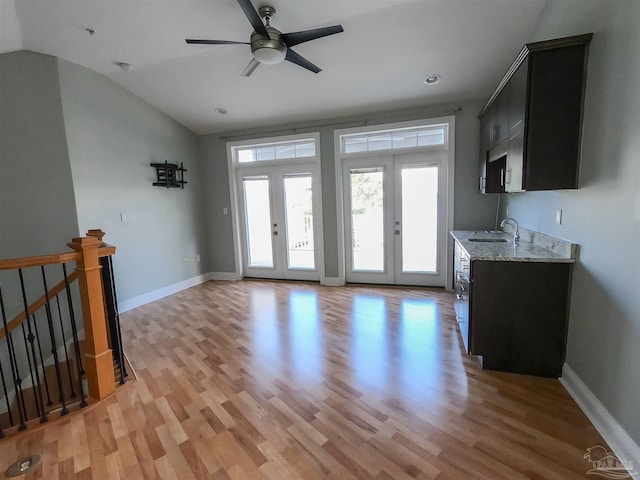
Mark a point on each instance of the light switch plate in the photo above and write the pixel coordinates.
(127, 216)
(559, 216)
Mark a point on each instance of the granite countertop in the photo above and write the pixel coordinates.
(533, 247)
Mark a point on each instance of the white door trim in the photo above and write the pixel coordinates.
(232, 169)
(449, 194)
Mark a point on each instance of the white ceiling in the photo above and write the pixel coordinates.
(378, 63)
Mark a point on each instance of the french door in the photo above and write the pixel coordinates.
(395, 219)
(279, 236)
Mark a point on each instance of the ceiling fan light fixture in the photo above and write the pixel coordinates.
(270, 55)
(270, 50)
(268, 44)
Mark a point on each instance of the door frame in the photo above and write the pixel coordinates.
(449, 166)
(236, 215)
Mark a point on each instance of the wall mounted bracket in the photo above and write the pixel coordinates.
(169, 175)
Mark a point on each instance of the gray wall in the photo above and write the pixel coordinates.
(37, 206)
(472, 210)
(112, 137)
(603, 216)
(34, 159)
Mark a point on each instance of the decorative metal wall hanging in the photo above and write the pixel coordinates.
(169, 175)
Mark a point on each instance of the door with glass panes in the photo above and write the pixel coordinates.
(277, 222)
(394, 219)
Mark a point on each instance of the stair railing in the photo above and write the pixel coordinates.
(31, 380)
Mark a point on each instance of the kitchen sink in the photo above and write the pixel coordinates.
(499, 240)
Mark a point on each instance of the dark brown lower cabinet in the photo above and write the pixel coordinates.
(518, 315)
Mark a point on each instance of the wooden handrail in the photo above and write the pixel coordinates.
(25, 262)
(38, 304)
(55, 258)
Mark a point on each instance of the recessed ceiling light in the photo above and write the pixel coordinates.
(432, 79)
(221, 110)
(127, 67)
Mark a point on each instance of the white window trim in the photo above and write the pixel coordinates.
(391, 151)
(448, 146)
(234, 167)
(259, 142)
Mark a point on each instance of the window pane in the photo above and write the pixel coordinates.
(367, 217)
(393, 139)
(355, 144)
(285, 151)
(265, 153)
(405, 139)
(246, 155)
(419, 219)
(307, 149)
(379, 141)
(299, 219)
(431, 136)
(258, 213)
(276, 151)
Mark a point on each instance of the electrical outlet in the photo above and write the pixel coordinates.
(225, 210)
(559, 216)
(185, 260)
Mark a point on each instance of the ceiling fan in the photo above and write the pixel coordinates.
(269, 45)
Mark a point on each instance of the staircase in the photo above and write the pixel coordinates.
(60, 347)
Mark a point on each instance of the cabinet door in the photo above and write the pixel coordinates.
(486, 124)
(554, 118)
(462, 288)
(517, 88)
(495, 174)
(501, 123)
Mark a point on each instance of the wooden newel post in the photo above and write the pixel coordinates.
(97, 359)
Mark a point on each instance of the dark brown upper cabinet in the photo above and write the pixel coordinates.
(530, 128)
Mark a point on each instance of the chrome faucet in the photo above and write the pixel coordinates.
(516, 234)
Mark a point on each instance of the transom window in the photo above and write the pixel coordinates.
(282, 150)
(394, 139)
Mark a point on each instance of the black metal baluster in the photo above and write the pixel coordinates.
(35, 386)
(64, 342)
(37, 392)
(123, 364)
(6, 398)
(15, 372)
(74, 333)
(54, 344)
(44, 373)
(112, 314)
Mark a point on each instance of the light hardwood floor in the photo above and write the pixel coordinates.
(276, 380)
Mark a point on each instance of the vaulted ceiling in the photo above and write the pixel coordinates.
(379, 63)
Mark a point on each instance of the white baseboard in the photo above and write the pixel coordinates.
(332, 282)
(613, 433)
(154, 295)
(228, 276)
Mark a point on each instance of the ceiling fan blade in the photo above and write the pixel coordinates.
(253, 17)
(253, 64)
(293, 57)
(214, 42)
(296, 38)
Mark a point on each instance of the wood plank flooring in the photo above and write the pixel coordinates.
(276, 380)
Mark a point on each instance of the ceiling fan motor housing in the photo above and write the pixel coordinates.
(269, 50)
